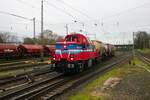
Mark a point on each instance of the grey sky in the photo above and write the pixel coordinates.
(100, 11)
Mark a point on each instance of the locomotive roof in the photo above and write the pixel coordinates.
(77, 34)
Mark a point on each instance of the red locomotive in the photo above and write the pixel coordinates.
(76, 53)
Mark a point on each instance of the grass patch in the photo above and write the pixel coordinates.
(145, 50)
(122, 71)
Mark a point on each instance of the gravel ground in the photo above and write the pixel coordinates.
(133, 87)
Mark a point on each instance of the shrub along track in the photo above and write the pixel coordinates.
(51, 87)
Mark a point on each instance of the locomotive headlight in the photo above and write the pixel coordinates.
(54, 57)
(71, 57)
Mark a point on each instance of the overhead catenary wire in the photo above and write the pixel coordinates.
(127, 11)
(15, 15)
(33, 6)
(119, 13)
(77, 10)
(50, 4)
(104, 18)
(22, 17)
(28, 4)
(62, 10)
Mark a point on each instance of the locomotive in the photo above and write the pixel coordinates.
(77, 53)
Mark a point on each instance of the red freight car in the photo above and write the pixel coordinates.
(8, 50)
(29, 50)
(49, 49)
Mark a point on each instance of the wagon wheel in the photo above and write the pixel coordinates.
(7, 56)
(21, 52)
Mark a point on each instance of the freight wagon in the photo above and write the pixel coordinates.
(13, 51)
(8, 50)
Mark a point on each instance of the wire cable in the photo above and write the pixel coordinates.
(128, 10)
(62, 10)
(24, 2)
(6, 13)
(77, 10)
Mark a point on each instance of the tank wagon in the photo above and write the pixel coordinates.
(77, 53)
(110, 50)
(100, 48)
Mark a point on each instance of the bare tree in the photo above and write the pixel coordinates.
(8, 37)
(142, 40)
(49, 37)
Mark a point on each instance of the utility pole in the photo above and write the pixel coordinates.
(42, 53)
(133, 45)
(34, 27)
(95, 36)
(83, 27)
(66, 29)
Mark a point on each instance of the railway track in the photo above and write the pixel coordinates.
(19, 65)
(144, 58)
(11, 63)
(72, 83)
(7, 83)
(12, 94)
(49, 88)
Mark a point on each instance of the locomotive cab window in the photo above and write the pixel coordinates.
(72, 39)
(84, 43)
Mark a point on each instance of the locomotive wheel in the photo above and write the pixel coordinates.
(81, 67)
(78, 68)
(89, 62)
(21, 52)
(52, 66)
(94, 61)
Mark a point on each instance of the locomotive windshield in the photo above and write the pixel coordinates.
(59, 46)
(72, 38)
(68, 46)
